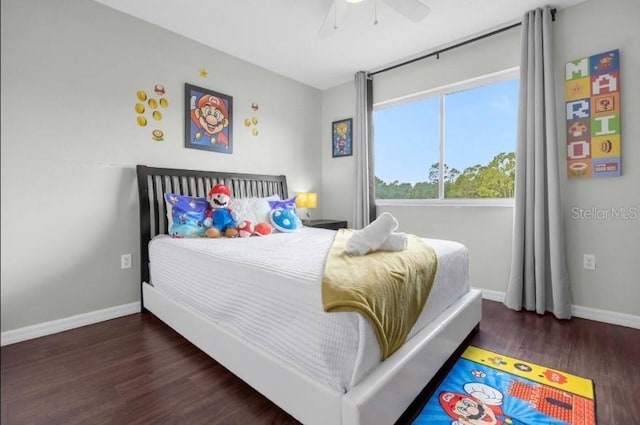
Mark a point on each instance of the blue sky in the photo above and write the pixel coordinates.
(480, 123)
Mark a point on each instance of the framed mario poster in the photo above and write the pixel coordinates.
(208, 120)
(342, 137)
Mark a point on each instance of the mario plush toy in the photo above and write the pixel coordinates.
(220, 219)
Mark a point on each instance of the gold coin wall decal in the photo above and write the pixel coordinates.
(252, 123)
(153, 103)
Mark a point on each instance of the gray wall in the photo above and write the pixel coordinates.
(473, 226)
(476, 227)
(590, 28)
(614, 285)
(338, 174)
(70, 142)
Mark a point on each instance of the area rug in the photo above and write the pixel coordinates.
(488, 388)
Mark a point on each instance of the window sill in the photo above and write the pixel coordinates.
(483, 202)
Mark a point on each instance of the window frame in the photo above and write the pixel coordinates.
(441, 92)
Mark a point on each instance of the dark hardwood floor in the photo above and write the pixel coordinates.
(136, 370)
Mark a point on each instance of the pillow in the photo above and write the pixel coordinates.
(186, 215)
(255, 210)
(285, 220)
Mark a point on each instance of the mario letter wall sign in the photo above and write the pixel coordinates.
(208, 120)
(592, 92)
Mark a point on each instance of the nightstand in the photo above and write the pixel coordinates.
(327, 224)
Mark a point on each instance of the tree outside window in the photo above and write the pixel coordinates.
(469, 128)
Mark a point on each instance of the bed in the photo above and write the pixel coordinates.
(322, 368)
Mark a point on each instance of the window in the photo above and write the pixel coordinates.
(454, 142)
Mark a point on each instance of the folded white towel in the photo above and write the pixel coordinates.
(395, 242)
(372, 236)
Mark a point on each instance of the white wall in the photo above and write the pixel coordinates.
(583, 30)
(70, 142)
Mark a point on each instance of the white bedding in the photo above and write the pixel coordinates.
(267, 290)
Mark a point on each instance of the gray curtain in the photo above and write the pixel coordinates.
(538, 279)
(364, 208)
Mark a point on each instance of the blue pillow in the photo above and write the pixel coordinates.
(284, 220)
(186, 215)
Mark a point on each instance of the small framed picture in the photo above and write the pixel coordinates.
(342, 137)
(208, 120)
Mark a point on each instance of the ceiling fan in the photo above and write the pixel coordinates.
(414, 10)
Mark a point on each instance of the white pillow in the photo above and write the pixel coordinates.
(255, 210)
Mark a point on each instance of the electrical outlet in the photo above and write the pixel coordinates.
(125, 261)
(589, 261)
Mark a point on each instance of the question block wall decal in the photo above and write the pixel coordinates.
(592, 94)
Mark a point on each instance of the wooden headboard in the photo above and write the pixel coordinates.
(153, 183)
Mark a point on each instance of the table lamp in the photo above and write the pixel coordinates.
(307, 200)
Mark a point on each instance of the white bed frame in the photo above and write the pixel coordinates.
(380, 398)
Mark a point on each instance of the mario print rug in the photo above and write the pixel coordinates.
(488, 388)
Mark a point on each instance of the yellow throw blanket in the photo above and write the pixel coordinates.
(388, 288)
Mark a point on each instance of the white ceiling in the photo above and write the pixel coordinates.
(283, 35)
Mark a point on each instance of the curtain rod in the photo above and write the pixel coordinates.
(446, 49)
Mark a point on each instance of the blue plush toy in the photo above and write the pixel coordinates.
(284, 220)
(221, 218)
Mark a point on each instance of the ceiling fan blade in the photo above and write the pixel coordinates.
(414, 10)
(333, 19)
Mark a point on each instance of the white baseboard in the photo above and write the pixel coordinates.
(615, 318)
(490, 295)
(60, 325)
(605, 316)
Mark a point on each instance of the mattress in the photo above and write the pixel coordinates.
(267, 290)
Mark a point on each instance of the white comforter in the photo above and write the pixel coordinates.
(267, 290)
